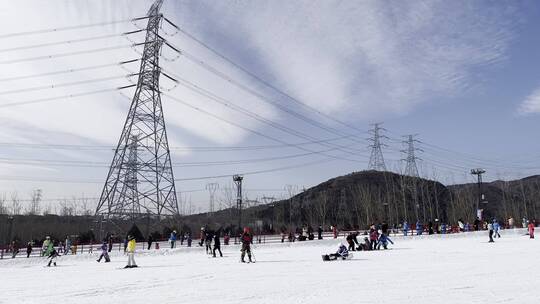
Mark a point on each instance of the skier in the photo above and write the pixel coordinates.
(52, 257)
(172, 239)
(352, 240)
(342, 252)
(490, 229)
(383, 240)
(531, 229)
(217, 244)
(319, 232)
(104, 252)
(131, 252)
(150, 241)
(405, 228)
(246, 245)
(496, 229)
(28, 249)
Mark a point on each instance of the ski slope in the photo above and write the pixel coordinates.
(461, 268)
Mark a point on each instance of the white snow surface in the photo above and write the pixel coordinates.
(462, 268)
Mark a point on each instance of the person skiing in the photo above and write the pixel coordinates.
(490, 229)
(28, 249)
(496, 229)
(217, 244)
(172, 239)
(104, 252)
(131, 244)
(531, 229)
(342, 252)
(246, 245)
(352, 240)
(383, 240)
(52, 257)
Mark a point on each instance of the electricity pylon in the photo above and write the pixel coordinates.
(211, 187)
(376, 160)
(411, 169)
(140, 181)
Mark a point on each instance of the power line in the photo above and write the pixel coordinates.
(62, 97)
(93, 67)
(68, 28)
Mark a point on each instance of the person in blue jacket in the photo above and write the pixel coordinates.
(383, 240)
(496, 229)
(405, 228)
(172, 239)
(443, 228)
(419, 228)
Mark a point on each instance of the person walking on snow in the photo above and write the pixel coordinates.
(405, 228)
(531, 229)
(490, 229)
(246, 245)
(172, 239)
(217, 244)
(373, 236)
(104, 252)
(131, 252)
(319, 233)
(496, 229)
(150, 241)
(48, 246)
(68, 245)
(419, 228)
(28, 249)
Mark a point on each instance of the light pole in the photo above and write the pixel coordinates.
(238, 181)
(478, 172)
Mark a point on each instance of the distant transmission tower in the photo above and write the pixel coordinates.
(140, 181)
(376, 160)
(212, 187)
(411, 169)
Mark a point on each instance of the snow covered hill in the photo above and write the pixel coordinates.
(461, 268)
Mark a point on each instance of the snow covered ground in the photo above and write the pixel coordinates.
(462, 268)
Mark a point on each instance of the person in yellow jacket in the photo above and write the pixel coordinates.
(131, 252)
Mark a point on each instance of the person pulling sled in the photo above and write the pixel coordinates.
(342, 253)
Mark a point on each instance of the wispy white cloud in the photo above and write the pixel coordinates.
(531, 104)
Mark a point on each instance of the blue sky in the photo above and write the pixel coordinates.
(461, 74)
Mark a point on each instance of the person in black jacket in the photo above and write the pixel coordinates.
(319, 232)
(150, 241)
(217, 244)
(28, 249)
(352, 240)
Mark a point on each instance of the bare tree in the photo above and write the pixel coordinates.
(15, 204)
(3, 208)
(321, 206)
(35, 200)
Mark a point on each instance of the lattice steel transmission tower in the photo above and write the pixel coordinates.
(140, 181)
(411, 169)
(376, 160)
(211, 187)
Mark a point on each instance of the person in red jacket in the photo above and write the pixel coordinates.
(246, 244)
(531, 229)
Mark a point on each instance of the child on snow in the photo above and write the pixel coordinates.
(104, 252)
(383, 240)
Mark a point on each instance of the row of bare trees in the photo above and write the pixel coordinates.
(14, 205)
